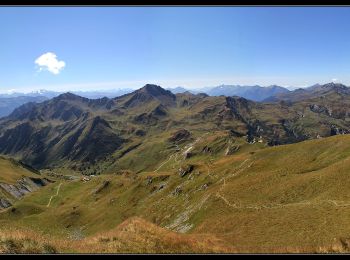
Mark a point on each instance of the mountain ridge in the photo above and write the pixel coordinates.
(192, 164)
(52, 133)
(316, 90)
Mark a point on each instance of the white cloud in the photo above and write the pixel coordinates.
(334, 80)
(48, 61)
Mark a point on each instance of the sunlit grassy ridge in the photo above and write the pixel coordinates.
(291, 198)
(70, 133)
(11, 171)
(133, 235)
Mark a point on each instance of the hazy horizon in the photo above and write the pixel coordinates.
(98, 49)
(68, 88)
(185, 130)
(109, 87)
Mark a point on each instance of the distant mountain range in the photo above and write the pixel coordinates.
(8, 104)
(88, 94)
(10, 101)
(314, 91)
(188, 163)
(71, 129)
(255, 93)
(178, 90)
(273, 93)
(38, 93)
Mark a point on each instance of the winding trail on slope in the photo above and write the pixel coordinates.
(209, 173)
(239, 169)
(175, 155)
(333, 203)
(58, 190)
(166, 161)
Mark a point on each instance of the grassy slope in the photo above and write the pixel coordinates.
(133, 235)
(66, 135)
(289, 196)
(293, 197)
(12, 171)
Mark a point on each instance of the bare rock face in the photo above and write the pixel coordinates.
(321, 109)
(140, 132)
(185, 169)
(338, 131)
(149, 180)
(206, 149)
(232, 149)
(177, 191)
(21, 188)
(187, 155)
(205, 186)
(16, 191)
(180, 135)
(4, 203)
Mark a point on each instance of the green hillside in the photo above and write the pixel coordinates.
(16, 180)
(70, 133)
(259, 199)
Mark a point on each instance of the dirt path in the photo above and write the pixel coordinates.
(190, 146)
(175, 155)
(160, 166)
(58, 190)
(239, 169)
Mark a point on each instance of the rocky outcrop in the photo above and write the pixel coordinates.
(177, 191)
(232, 149)
(4, 203)
(206, 149)
(16, 191)
(180, 135)
(140, 132)
(185, 169)
(321, 109)
(21, 188)
(338, 131)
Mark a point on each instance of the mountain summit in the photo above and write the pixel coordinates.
(69, 129)
(332, 87)
(68, 96)
(150, 93)
(155, 91)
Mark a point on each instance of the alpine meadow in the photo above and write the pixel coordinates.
(174, 130)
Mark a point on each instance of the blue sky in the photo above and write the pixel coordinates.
(114, 47)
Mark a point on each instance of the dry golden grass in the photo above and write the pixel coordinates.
(26, 242)
(134, 235)
(11, 172)
(284, 199)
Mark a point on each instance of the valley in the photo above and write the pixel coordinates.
(221, 203)
(152, 171)
(139, 129)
